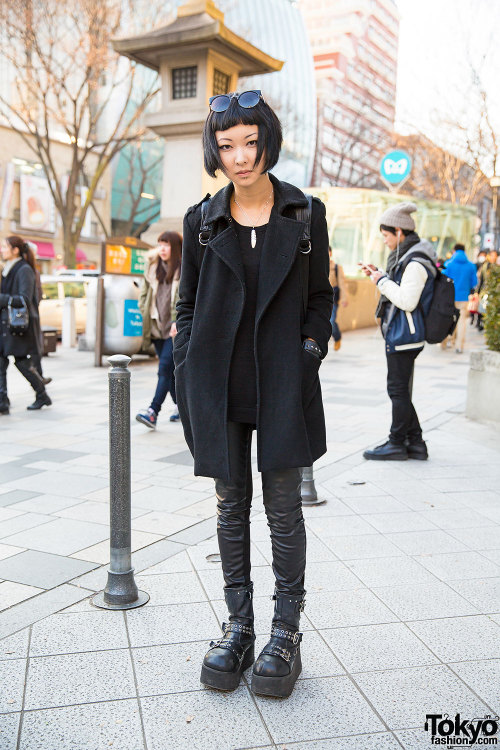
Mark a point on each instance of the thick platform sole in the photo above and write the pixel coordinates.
(218, 680)
(277, 687)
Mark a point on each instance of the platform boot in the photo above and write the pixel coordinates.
(227, 658)
(278, 666)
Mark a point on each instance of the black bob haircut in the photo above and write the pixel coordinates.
(269, 140)
(392, 230)
(458, 246)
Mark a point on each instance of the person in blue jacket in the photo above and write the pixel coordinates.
(464, 275)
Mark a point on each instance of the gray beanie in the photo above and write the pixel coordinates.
(399, 216)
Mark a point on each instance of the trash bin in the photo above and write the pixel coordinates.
(49, 340)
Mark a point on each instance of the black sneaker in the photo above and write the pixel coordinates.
(418, 451)
(387, 452)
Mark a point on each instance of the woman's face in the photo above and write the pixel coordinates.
(8, 252)
(164, 250)
(238, 152)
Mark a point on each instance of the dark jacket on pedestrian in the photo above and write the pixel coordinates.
(464, 275)
(20, 282)
(290, 419)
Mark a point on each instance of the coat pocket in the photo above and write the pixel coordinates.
(310, 376)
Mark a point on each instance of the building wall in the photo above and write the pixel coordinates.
(355, 46)
(15, 151)
(277, 27)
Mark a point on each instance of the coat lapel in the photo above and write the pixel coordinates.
(225, 245)
(278, 254)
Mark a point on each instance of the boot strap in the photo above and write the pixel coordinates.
(301, 603)
(237, 627)
(289, 635)
(233, 646)
(288, 654)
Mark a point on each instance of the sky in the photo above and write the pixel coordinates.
(438, 39)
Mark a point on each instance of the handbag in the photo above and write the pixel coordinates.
(18, 317)
(473, 305)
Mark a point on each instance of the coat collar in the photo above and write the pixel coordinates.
(284, 195)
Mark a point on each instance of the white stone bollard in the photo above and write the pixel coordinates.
(69, 323)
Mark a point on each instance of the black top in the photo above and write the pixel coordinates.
(242, 390)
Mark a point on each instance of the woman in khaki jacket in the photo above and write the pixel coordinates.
(159, 293)
(337, 281)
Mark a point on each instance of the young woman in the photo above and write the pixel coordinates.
(157, 305)
(18, 284)
(247, 359)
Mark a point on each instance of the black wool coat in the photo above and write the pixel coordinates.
(19, 282)
(290, 418)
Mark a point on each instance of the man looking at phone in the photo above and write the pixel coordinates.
(406, 293)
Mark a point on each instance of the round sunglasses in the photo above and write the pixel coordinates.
(247, 100)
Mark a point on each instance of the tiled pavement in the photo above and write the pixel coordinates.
(403, 576)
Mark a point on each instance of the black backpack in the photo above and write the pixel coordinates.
(442, 317)
(301, 213)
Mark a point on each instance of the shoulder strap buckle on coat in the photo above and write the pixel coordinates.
(205, 229)
(304, 213)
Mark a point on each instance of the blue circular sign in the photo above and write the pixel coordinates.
(395, 167)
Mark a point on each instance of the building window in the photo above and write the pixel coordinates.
(221, 82)
(184, 82)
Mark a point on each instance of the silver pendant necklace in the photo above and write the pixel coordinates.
(253, 233)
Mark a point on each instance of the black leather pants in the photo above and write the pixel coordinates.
(26, 367)
(283, 505)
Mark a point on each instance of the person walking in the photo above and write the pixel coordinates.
(337, 281)
(157, 305)
(406, 294)
(464, 275)
(18, 288)
(37, 356)
(247, 355)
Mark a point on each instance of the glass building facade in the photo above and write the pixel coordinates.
(277, 27)
(353, 217)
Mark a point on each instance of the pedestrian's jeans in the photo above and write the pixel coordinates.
(166, 380)
(283, 506)
(335, 328)
(405, 424)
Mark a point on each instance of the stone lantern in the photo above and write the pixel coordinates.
(197, 56)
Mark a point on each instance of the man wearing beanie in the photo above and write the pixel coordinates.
(406, 293)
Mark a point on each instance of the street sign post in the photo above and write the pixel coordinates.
(395, 169)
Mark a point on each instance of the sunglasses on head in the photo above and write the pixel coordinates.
(247, 100)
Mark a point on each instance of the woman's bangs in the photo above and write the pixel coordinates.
(235, 115)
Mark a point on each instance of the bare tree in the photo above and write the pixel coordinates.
(439, 174)
(357, 143)
(69, 86)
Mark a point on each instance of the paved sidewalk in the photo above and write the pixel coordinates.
(403, 578)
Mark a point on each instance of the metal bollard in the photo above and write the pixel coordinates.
(121, 591)
(308, 489)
